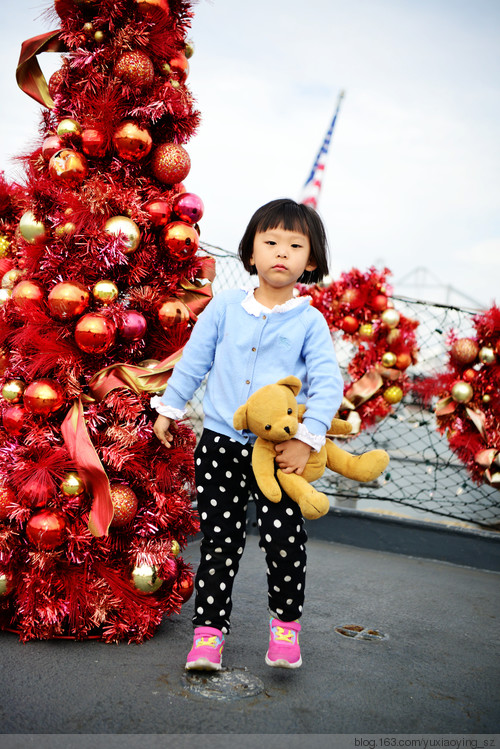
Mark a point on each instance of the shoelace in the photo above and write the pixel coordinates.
(282, 635)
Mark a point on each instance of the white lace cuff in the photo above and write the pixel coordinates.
(169, 411)
(315, 441)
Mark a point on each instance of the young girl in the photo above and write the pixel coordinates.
(245, 340)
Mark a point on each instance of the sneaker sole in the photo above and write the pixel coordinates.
(203, 664)
(282, 663)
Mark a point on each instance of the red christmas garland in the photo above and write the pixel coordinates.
(360, 305)
(468, 393)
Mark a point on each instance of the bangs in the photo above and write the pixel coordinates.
(287, 216)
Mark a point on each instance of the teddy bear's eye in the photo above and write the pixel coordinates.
(290, 411)
(268, 427)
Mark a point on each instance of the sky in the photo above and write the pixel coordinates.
(412, 181)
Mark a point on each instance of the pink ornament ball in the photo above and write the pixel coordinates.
(133, 326)
(188, 207)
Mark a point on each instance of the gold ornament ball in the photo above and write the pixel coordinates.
(393, 394)
(486, 398)
(68, 299)
(105, 292)
(68, 166)
(390, 317)
(389, 359)
(189, 48)
(5, 295)
(145, 578)
(5, 584)
(173, 312)
(99, 36)
(13, 390)
(126, 229)
(31, 230)
(175, 547)
(12, 277)
(487, 355)
(4, 245)
(72, 485)
(68, 127)
(462, 392)
(365, 331)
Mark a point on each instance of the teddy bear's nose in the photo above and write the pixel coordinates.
(287, 430)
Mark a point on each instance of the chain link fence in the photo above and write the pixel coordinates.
(424, 478)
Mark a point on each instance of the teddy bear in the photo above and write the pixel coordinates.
(273, 414)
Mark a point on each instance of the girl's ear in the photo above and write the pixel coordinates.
(312, 264)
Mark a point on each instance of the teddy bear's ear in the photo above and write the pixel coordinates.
(291, 382)
(240, 417)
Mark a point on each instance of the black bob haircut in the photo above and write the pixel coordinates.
(285, 213)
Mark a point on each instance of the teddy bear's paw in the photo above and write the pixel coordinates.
(314, 506)
(370, 465)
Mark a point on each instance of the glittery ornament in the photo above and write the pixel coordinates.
(7, 497)
(27, 293)
(46, 529)
(132, 326)
(159, 211)
(365, 331)
(124, 505)
(51, 146)
(13, 390)
(464, 351)
(68, 299)
(393, 394)
(55, 82)
(132, 142)
(43, 397)
(105, 292)
(72, 485)
(390, 317)
(68, 166)
(13, 419)
(144, 577)
(12, 277)
(93, 143)
(170, 163)
(173, 312)
(4, 245)
(135, 69)
(94, 333)
(32, 230)
(349, 324)
(125, 228)
(462, 392)
(180, 240)
(188, 207)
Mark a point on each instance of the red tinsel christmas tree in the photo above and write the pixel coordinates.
(468, 393)
(360, 305)
(107, 283)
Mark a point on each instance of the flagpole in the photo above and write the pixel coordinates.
(313, 184)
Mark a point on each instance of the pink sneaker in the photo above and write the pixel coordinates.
(206, 653)
(284, 647)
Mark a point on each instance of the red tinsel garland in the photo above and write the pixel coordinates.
(468, 393)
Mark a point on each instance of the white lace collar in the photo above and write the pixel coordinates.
(255, 308)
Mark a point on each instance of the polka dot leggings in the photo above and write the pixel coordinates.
(225, 482)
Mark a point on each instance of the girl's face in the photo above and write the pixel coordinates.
(281, 256)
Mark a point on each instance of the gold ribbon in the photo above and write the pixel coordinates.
(29, 76)
(363, 389)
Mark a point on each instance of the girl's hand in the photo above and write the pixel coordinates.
(292, 456)
(162, 430)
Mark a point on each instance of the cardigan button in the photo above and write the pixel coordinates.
(247, 382)
(253, 348)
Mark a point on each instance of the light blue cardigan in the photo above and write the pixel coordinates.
(242, 353)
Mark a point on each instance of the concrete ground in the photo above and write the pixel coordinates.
(425, 661)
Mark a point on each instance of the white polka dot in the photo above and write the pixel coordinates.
(211, 571)
(199, 489)
(222, 489)
(274, 565)
(208, 476)
(223, 586)
(277, 523)
(229, 562)
(214, 463)
(289, 511)
(200, 610)
(208, 557)
(242, 483)
(282, 553)
(296, 564)
(291, 539)
(213, 502)
(279, 611)
(201, 583)
(228, 540)
(198, 461)
(259, 522)
(276, 589)
(218, 550)
(217, 439)
(240, 550)
(231, 573)
(287, 578)
(289, 601)
(222, 449)
(299, 586)
(204, 515)
(203, 449)
(222, 612)
(227, 514)
(268, 537)
(228, 474)
(216, 529)
(210, 599)
(265, 508)
(244, 452)
(238, 524)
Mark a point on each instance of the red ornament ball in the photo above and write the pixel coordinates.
(68, 299)
(159, 211)
(51, 146)
(68, 166)
(55, 82)
(93, 143)
(43, 397)
(469, 375)
(352, 297)
(7, 497)
(403, 360)
(170, 163)
(379, 302)
(13, 420)
(180, 240)
(184, 587)
(179, 67)
(46, 529)
(132, 142)
(349, 324)
(27, 294)
(132, 326)
(95, 333)
(188, 207)
(124, 504)
(464, 351)
(135, 69)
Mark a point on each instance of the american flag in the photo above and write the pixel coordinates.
(312, 186)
